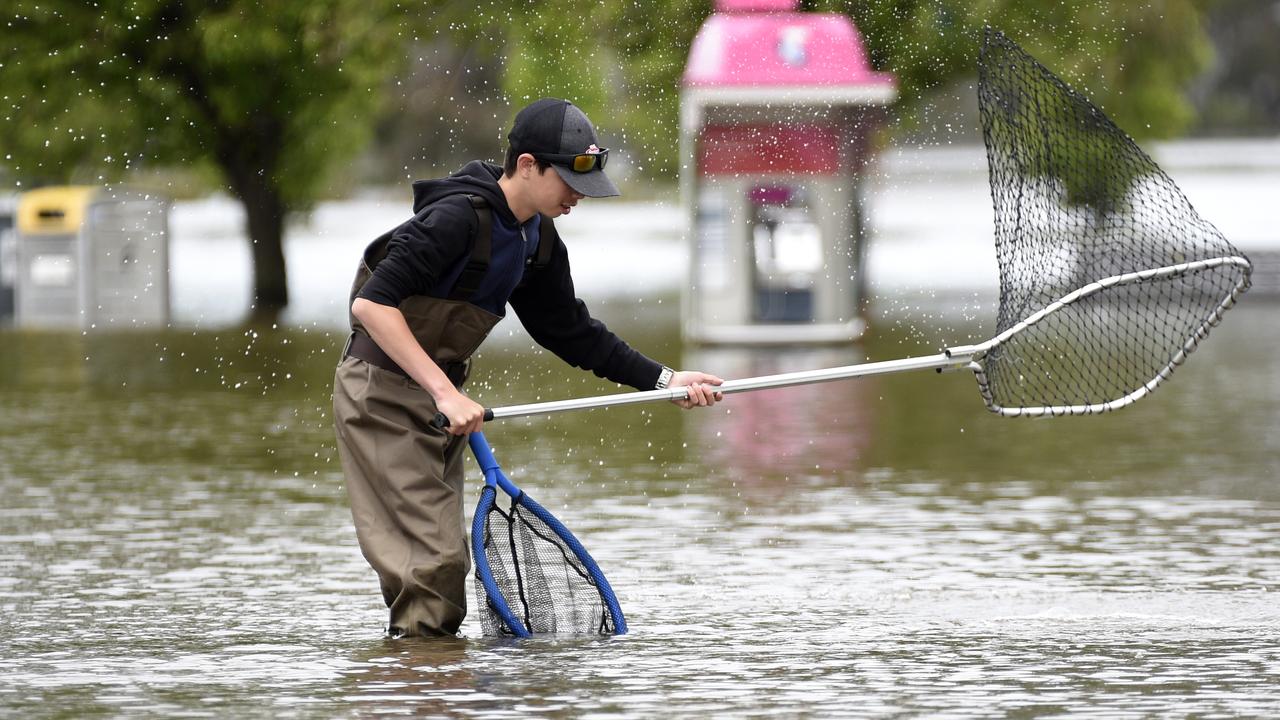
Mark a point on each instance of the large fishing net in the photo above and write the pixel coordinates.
(540, 572)
(1108, 276)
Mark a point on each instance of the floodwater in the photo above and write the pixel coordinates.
(176, 541)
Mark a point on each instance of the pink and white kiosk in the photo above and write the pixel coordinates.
(777, 113)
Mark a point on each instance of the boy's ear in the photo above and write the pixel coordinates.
(525, 162)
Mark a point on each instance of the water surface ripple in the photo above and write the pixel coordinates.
(176, 541)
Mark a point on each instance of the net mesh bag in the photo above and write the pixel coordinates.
(1096, 246)
(539, 574)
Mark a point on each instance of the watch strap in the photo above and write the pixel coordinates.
(664, 378)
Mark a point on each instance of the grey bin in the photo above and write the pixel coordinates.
(92, 258)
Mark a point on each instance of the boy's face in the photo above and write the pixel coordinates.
(549, 194)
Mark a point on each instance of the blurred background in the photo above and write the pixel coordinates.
(287, 133)
(176, 538)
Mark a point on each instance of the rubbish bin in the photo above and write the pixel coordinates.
(92, 258)
(777, 112)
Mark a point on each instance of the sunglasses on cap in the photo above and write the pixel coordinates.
(580, 163)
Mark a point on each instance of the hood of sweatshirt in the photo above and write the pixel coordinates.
(475, 178)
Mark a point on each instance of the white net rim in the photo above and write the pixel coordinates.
(976, 352)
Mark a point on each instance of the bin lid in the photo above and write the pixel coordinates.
(753, 51)
(54, 210)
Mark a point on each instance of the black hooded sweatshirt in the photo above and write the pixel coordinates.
(426, 255)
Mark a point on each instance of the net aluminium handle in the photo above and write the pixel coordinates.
(950, 360)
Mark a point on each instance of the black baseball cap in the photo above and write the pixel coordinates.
(557, 127)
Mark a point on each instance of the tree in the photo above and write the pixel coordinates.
(622, 60)
(274, 96)
(1134, 60)
(619, 60)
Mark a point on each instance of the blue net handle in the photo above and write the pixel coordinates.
(489, 465)
(484, 572)
(493, 476)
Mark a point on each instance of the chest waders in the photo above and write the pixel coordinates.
(403, 475)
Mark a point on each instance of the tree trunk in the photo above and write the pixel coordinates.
(264, 214)
(248, 153)
(265, 211)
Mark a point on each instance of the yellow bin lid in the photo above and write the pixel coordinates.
(53, 210)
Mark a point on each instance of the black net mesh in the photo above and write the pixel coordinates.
(544, 583)
(1077, 202)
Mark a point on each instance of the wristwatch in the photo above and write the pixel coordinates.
(664, 378)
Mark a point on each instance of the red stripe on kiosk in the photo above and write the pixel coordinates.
(769, 148)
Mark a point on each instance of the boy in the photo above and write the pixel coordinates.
(425, 297)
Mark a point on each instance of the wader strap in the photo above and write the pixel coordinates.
(546, 245)
(363, 347)
(481, 250)
(547, 238)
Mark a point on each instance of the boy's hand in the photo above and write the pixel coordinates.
(702, 392)
(465, 415)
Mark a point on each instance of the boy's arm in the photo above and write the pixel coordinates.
(387, 327)
(550, 310)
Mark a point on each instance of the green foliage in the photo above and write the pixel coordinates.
(622, 60)
(1132, 59)
(90, 92)
(281, 90)
(652, 41)
(619, 60)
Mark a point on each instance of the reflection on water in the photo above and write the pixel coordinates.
(770, 433)
(176, 539)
